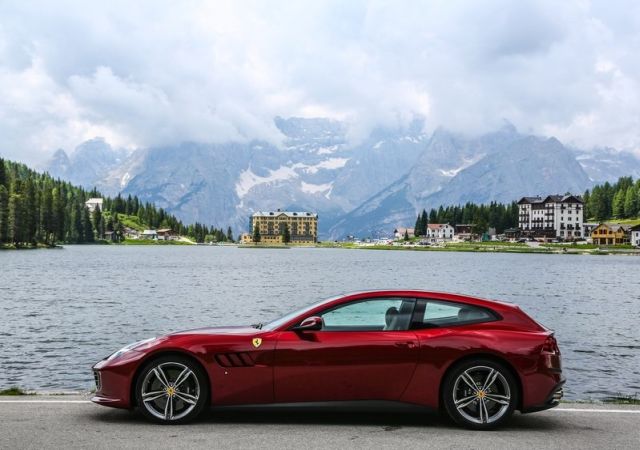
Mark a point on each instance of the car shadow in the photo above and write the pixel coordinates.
(389, 416)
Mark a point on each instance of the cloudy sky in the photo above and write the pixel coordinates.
(147, 73)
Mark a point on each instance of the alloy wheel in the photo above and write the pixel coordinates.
(481, 394)
(170, 391)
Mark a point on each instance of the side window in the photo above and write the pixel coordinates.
(380, 314)
(436, 313)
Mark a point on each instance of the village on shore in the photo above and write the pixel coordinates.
(542, 222)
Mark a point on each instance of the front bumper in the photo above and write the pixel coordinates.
(113, 380)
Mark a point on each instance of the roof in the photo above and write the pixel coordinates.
(437, 226)
(95, 200)
(165, 230)
(615, 226)
(556, 198)
(285, 213)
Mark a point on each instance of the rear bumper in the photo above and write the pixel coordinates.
(552, 400)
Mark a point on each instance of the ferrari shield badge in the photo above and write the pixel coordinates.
(256, 342)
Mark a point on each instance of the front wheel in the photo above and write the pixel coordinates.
(480, 394)
(171, 390)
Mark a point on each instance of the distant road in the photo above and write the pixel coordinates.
(73, 422)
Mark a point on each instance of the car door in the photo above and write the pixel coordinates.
(364, 351)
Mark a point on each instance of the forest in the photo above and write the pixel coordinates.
(494, 215)
(36, 209)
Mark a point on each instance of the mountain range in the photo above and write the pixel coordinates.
(364, 189)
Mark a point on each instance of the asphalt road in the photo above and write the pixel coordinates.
(73, 422)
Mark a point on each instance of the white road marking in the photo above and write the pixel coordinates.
(624, 411)
(45, 401)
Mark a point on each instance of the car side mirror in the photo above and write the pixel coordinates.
(313, 323)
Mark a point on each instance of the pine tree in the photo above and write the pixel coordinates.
(256, 234)
(229, 234)
(618, 204)
(15, 224)
(3, 175)
(630, 202)
(4, 211)
(286, 235)
(98, 223)
(406, 235)
(87, 226)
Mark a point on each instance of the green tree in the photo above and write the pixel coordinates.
(15, 224)
(229, 234)
(406, 235)
(3, 175)
(630, 202)
(256, 234)
(87, 226)
(4, 212)
(618, 204)
(286, 235)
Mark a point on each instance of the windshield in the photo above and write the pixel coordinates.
(292, 315)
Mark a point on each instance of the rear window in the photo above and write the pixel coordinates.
(438, 313)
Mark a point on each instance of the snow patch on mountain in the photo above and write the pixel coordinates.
(310, 188)
(248, 180)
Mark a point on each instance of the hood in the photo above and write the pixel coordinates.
(239, 330)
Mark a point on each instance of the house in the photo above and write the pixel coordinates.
(399, 232)
(131, 233)
(512, 233)
(302, 226)
(246, 238)
(553, 216)
(587, 228)
(610, 234)
(439, 232)
(94, 203)
(464, 232)
(634, 236)
(149, 234)
(167, 234)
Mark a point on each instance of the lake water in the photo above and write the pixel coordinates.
(63, 310)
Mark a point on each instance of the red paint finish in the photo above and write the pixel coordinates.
(344, 365)
(301, 366)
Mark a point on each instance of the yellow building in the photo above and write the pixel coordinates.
(273, 226)
(610, 234)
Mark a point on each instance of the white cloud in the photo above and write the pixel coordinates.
(157, 72)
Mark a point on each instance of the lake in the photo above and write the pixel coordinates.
(64, 309)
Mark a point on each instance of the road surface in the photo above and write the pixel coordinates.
(73, 422)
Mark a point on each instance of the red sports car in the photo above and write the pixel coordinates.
(478, 360)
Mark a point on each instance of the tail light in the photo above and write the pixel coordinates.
(550, 354)
(550, 346)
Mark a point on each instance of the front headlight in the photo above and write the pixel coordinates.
(128, 348)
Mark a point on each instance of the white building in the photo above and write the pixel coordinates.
(553, 216)
(94, 203)
(439, 231)
(635, 235)
(149, 234)
(399, 233)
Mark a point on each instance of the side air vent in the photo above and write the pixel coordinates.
(235, 359)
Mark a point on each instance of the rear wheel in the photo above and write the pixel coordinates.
(171, 389)
(480, 394)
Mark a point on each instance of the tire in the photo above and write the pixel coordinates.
(171, 389)
(494, 387)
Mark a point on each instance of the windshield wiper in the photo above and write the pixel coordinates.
(258, 325)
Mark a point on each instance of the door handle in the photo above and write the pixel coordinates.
(407, 344)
